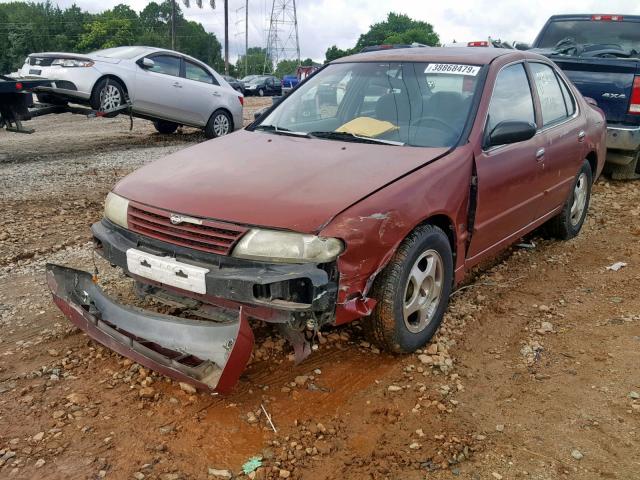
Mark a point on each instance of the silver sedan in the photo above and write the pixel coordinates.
(164, 86)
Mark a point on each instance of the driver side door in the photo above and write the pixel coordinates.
(508, 176)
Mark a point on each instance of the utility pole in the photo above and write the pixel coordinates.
(246, 38)
(226, 37)
(173, 24)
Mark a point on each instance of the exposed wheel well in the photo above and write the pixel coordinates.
(446, 225)
(592, 157)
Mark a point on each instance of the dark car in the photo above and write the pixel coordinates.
(263, 85)
(368, 193)
(236, 84)
(601, 55)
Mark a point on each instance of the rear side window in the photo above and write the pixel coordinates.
(166, 64)
(568, 98)
(552, 100)
(197, 73)
(511, 99)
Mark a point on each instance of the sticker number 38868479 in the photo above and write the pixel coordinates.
(452, 68)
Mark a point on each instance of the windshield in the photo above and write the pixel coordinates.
(120, 52)
(248, 78)
(256, 80)
(624, 35)
(417, 104)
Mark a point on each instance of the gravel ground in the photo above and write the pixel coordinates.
(533, 375)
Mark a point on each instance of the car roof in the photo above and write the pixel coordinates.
(477, 56)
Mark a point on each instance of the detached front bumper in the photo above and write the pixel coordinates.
(295, 289)
(208, 355)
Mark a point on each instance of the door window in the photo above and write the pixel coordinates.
(568, 98)
(552, 101)
(197, 73)
(511, 99)
(166, 64)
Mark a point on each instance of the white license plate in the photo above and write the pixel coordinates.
(167, 270)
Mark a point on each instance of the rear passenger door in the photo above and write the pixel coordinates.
(508, 175)
(563, 132)
(201, 93)
(158, 88)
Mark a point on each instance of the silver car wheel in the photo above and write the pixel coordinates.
(261, 92)
(221, 125)
(423, 291)
(110, 98)
(579, 199)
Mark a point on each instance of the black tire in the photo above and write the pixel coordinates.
(567, 224)
(386, 326)
(100, 90)
(212, 129)
(163, 126)
(51, 99)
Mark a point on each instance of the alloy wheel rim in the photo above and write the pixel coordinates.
(110, 98)
(422, 291)
(220, 125)
(579, 199)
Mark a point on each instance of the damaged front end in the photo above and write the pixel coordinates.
(209, 355)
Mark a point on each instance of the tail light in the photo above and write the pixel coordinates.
(241, 100)
(606, 18)
(19, 86)
(634, 105)
(482, 43)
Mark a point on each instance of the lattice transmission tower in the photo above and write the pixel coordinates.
(282, 40)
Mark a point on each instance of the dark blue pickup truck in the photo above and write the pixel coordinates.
(601, 55)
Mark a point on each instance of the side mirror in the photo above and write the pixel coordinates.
(147, 63)
(509, 132)
(276, 100)
(521, 46)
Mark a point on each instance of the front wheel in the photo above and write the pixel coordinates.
(108, 95)
(261, 92)
(412, 292)
(219, 124)
(568, 223)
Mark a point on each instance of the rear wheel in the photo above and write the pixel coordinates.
(219, 125)
(412, 292)
(107, 95)
(568, 223)
(163, 126)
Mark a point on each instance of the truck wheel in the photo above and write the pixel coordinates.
(412, 292)
(163, 126)
(219, 124)
(107, 95)
(569, 221)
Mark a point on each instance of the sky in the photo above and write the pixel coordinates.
(322, 23)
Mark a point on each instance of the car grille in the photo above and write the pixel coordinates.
(41, 61)
(211, 236)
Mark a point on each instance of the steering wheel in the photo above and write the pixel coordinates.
(436, 120)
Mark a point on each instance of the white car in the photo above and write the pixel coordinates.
(164, 86)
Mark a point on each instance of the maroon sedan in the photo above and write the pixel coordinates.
(368, 192)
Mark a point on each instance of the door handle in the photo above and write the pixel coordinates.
(177, 85)
(540, 154)
(581, 135)
(216, 94)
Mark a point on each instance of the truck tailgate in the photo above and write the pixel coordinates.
(608, 81)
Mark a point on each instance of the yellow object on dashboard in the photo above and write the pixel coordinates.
(367, 127)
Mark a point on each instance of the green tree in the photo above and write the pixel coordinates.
(257, 60)
(286, 67)
(398, 28)
(333, 53)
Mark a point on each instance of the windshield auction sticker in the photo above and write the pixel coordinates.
(452, 68)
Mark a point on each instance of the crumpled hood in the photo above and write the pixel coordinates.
(262, 179)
